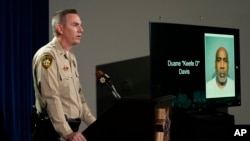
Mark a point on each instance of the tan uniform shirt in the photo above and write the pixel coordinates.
(57, 87)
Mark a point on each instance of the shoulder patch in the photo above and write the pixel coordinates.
(46, 61)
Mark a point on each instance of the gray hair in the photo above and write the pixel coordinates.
(59, 17)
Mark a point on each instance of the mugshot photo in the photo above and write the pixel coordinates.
(219, 60)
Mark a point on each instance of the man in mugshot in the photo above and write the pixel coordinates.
(221, 85)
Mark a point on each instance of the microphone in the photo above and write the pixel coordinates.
(104, 79)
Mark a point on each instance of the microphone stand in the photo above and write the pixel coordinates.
(113, 90)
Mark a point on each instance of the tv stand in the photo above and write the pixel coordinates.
(201, 125)
(205, 113)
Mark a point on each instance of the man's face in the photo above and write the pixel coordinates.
(72, 29)
(221, 65)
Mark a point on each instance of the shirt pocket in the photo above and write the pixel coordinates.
(65, 77)
(77, 81)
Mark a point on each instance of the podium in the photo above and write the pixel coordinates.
(130, 119)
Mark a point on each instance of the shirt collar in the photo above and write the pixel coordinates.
(59, 48)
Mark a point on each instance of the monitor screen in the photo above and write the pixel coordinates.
(199, 65)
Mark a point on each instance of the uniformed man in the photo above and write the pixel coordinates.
(60, 102)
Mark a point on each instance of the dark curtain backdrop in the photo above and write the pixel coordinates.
(24, 27)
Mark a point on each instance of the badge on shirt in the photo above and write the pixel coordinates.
(47, 61)
(65, 68)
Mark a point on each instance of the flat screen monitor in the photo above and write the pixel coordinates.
(199, 65)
